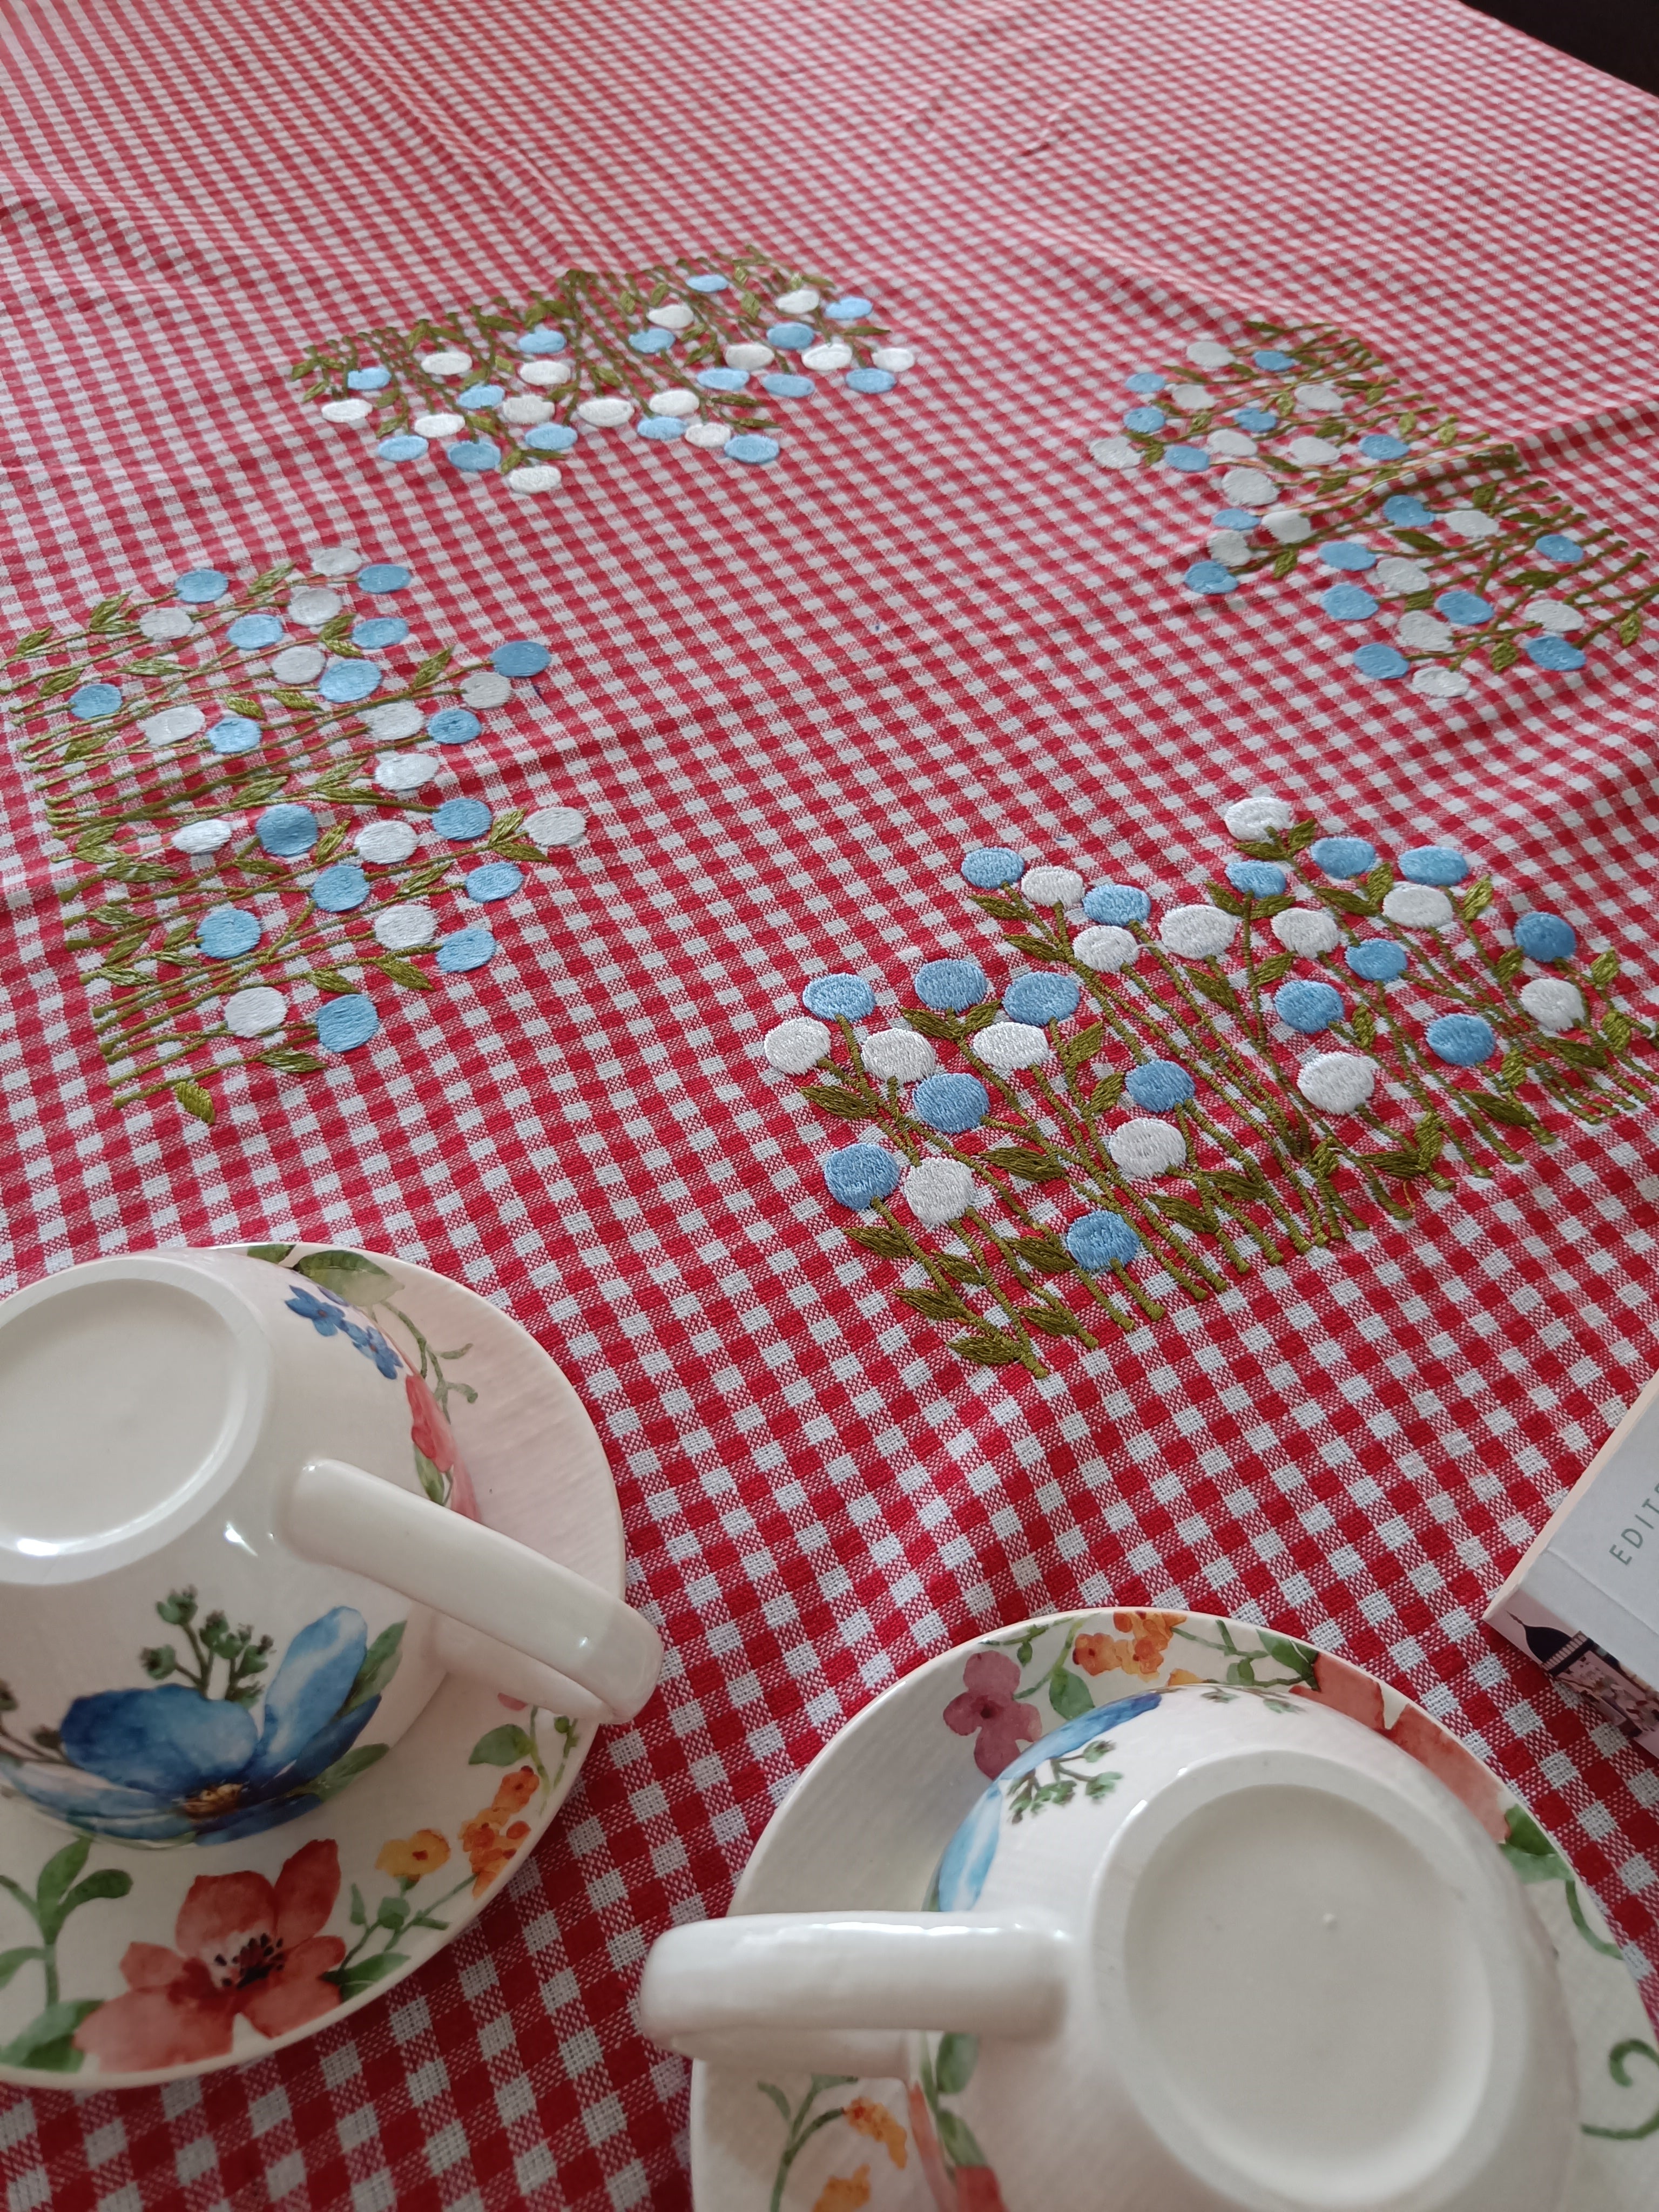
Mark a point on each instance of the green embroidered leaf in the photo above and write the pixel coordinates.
(1107, 1092)
(1228, 901)
(1604, 970)
(979, 1017)
(330, 981)
(1475, 900)
(1508, 964)
(959, 2055)
(1510, 1111)
(1344, 901)
(298, 703)
(887, 1244)
(1003, 908)
(1503, 655)
(1284, 561)
(1038, 948)
(1241, 1184)
(1045, 1254)
(34, 641)
(1183, 1211)
(1364, 1026)
(379, 1665)
(1081, 1047)
(60, 680)
(1216, 988)
(1617, 1029)
(1403, 1165)
(1300, 835)
(958, 1269)
(194, 1100)
(239, 703)
(288, 1061)
(1052, 1321)
(502, 1747)
(1379, 883)
(1581, 1052)
(829, 1099)
(1271, 971)
(940, 1027)
(935, 1304)
(1630, 627)
(989, 1350)
(1419, 541)
(1430, 1139)
(1028, 1165)
(517, 848)
(402, 971)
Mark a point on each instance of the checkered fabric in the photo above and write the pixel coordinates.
(787, 699)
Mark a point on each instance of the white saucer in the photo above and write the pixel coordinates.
(539, 1473)
(865, 1826)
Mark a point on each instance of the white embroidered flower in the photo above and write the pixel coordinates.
(1396, 578)
(1553, 615)
(1425, 633)
(1205, 353)
(1144, 1149)
(1287, 525)
(798, 302)
(894, 358)
(165, 625)
(1230, 547)
(449, 363)
(937, 1191)
(255, 1012)
(1417, 906)
(676, 402)
(299, 664)
(1248, 488)
(1440, 682)
(1105, 948)
(439, 425)
(1308, 930)
(1469, 522)
(1196, 932)
(524, 407)
(604, 413)
(1010, 1046)
(202, 836)
(1115, 453)
(405, 771)
(1255, 817)
(1318, 400)
(1233, 444)
(346, 410)
(1337, 1082)
(898, 1056)
(546, 374)
(336, 561)
(533, 477)
(794, 1045)
(1188, 396)
(747, 354)
(1052, 886)
(175, 724)
(311, 608)
(710, 436)
(402, 928)
(387, 724)
(675, 316)
(552, 826)
(385, 843)
(1554, 1003)
(1313, 452)
(831, 354)
(484, 688)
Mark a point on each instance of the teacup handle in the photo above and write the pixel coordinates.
(830, 1986)
(339, 1516)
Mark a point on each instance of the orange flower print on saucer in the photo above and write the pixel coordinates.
(408, 1859)
(1139, 1648)
(491, 1838)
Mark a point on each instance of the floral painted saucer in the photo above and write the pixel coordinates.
(122, 1965)
(865, 1825)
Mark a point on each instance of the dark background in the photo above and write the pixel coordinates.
(1620, 36)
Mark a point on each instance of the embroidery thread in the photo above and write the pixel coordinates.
(1326, 467)
(680, 351)
(239, 772)
(1223, 1086)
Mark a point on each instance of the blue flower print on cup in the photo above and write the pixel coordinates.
(383, 576)
(1271, 358)
(1099, 1240)
(951, 1103)
(372, 379)
(1307, 1007)
(1383, 664)
(1120, 904)
(168, 1765)
(496, 879)
(1378, 960)
(1210, 580)
(1147, 420)
(852, 308)
(464, 950)
(551, 438)
(1256, 879)
(951, 986)
(1546, 937)
(1461, 1040)
(1406, 512)
(1190, 460)
(860, 1174)
(93, 702)
(344, 1023)
(201, 588)
(520, 656)
(791, 338)
(1040, 999)
(1565, 552)
(1144, 380)
(234, 733)
(349, 681)
(871, 380)
(1160, 1086)
(453, 725)
(1554, 653)
(1348, 603)
(1343, 857)
(839, 998)
(750, 445)
(1377, 446)
(1433, 864)
(1467, 610)
(227, 932)
(249, 632)
(651, 341)
(288, 830)
(340, 888)
(988, 867)
(330, 1316)
(473, 456)
(1347, 553)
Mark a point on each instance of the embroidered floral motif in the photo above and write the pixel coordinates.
(681, 352)
(253, 858)
(1225, 1082)
(1426, 540)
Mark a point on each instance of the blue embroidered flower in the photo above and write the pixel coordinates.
(374, 378)
(750, 445)
(344, 1023)
(1144, 380)
(853, 308)
(234, 733)
(951, 1103)
(1556, 652)
(1433, 864)
(1099, 1240)
(340, 889)
(1160, 1086)
(860, 1174)
(93, 702)
(225, 933)
(723, 380)
(1406, 512)
(951, 986)
(1210, 580)
(1347, 553)
(1342, 857)
(1461, 1040)
(200, 587)
(1307, 1007)
(708, 284)
(496, 879)
(382, 576)
(1465, 609)
(1040, 1000)
(1383, 663)
(481, 395)
(402, 446)
(871, 380)
(1260, 422)
(1347, 603)
(1191, 460)
(1271, 358)
(377, 632)
(460, 820)
(347, 681)
(1256, 878)
(1119, 904)
(660, 427)
(520, 656)
(465, 949)
(791, 338)
(836, 998)
(1565, 552)
(287, 830)
(453, 725)
(1377, 446)
(1144, 420)
(1546, 937)
(989, 866)
(551, 438)
(1377, 959)
(249, 632)
(1235, 518)
(782, 386)
(651, 341)
(476, 455)
(540, 341)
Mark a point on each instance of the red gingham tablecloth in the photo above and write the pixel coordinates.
(788, 699)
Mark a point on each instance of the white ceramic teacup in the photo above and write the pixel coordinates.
(223, 1590)
(1197, 1951)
